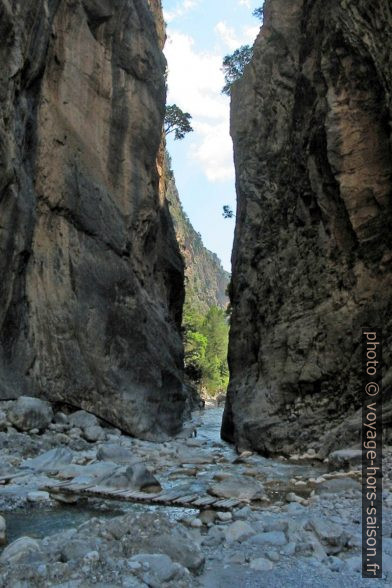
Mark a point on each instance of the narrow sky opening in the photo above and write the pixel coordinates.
(200, 33)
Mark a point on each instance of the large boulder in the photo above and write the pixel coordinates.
(51, 461)
(75, 548)
(94, 434)
(155, 534)
(136, 477)
(345, 458)
(30, 413)
(338, 485)
(115, 453)
(159, 564)
(20, 549)
(83, 420)
(239, 487)
(329, 533)
(238, 531)
(97, 470)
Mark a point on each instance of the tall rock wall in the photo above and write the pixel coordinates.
(91, 286)
(312, 260)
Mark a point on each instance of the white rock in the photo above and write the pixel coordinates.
(291, 497)
(91, 556)
(65, 498)
(116, 453)
(38, 496)
(294, 457)
(60, 418)
(328, 532)
(261, 565)
(273, 555)
(94, 434)
(343, 457)
(134, 565)
(30, 413)
(82, 419)
(243, 513)
(160, 565)
(224, 516)
(51, 461)
(238, 487)
(238, 531)
(276, 538)
(19, 549)
(135, 476)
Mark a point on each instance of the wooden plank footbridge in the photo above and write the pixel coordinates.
(176, 498)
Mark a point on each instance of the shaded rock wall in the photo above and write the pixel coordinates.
(92, 279)
(312, 260)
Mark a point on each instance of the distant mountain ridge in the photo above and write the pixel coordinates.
(206, 280)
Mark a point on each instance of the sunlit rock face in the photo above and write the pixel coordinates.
(312, 256)
(206, 280)
(91, 276)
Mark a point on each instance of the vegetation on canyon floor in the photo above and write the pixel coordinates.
(206, 341)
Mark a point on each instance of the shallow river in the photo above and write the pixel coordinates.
(43, 522)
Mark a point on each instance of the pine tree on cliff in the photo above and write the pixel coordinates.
(177, 121)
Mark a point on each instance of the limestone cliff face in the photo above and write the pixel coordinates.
(312, 260)
(205, 279)
(91, 276)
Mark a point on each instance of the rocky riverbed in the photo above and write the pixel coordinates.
(300, 525)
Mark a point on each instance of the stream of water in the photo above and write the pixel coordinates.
(45, 521)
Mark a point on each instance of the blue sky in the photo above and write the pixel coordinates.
(200, 34)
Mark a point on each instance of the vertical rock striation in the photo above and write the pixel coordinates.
(312, 260)
(91, 276)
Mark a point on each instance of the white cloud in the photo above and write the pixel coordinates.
(228, 36)
(214, 152)
(181, 9)
(250, 33)
(246, 3)
(195, 82)
(233, 40)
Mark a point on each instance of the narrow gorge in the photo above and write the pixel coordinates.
(133, 452)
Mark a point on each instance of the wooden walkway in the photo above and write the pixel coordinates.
(171, 497)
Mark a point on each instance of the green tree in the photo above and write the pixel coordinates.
(227, 212)
(205, 342)
(216, 330)
(259, 13)
(233, 66)
(177, 122)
